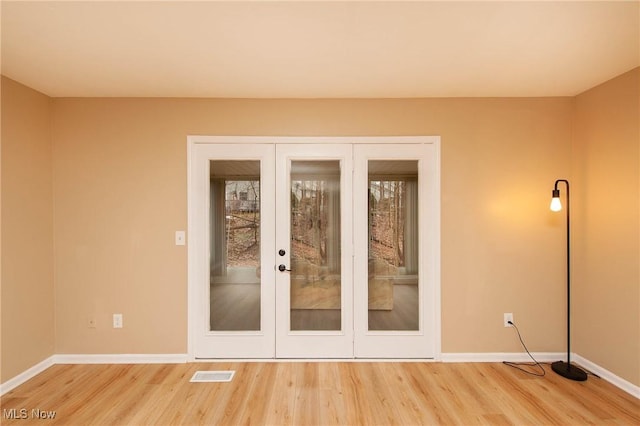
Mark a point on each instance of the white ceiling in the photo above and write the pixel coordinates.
(324, 49)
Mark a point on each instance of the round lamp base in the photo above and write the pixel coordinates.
(569, 371)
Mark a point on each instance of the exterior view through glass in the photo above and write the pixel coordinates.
(315, 297)
(234, 245)
(393, 291)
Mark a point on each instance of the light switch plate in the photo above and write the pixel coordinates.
(180, 238)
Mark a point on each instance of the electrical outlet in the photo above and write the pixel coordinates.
(117, 320)
(508, 317)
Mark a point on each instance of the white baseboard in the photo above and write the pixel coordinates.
(26, 375)
(607, 375)
(21, 378)
(500, 356)
(91, 359)
(120, 359)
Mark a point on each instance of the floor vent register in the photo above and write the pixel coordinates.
(212, 376)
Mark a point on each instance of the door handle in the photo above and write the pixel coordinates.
(283, 268)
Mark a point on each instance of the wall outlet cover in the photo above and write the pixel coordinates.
(117, 320)
(508, 317)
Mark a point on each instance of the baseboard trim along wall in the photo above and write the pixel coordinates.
(25, 375)
(605, 374)
(90, 359)
(500, 356)
(121, 359)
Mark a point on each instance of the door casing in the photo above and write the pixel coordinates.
(434, 230)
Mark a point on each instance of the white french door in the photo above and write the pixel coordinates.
(231, 253)
(314, 305)
(396, 240)
(313, 247)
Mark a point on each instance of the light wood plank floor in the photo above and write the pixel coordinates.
(323, 393)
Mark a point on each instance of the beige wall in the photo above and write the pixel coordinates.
(27, 295)
(120, 189)
(606, 162)
(119, 168)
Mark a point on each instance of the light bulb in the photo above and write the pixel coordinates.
(556, 205)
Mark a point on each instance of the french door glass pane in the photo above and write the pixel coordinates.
(235, 245)
(315, 296)
(393, 245)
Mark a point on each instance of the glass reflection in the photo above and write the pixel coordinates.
(315, 295)
(235, 245)
(393, 291)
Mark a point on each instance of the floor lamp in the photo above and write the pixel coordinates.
(565, 369)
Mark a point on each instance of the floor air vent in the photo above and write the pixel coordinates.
(212, 376)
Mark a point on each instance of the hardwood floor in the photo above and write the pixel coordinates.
(323, 393)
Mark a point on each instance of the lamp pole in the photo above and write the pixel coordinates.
(565, 369)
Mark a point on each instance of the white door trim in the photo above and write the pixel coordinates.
(194, 140)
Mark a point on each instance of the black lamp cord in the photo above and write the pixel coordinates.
(535, 363)
(518, 365)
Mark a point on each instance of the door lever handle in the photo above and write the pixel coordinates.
(283, 268)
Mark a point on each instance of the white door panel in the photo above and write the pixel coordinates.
(235, 294)
(313, 221)
(395, 235)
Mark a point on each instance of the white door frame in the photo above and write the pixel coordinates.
(434, 243)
